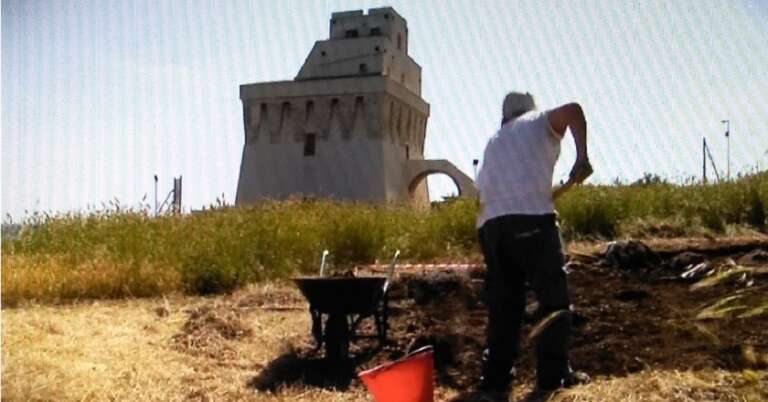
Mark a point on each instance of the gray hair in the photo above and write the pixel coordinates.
(515, 104)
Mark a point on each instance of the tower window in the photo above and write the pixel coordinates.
(351, 33)
(399, 41)
(375, 31)
(310, 108)
(285, 114)
(363, 68)
(322, 53)
(309, 144)
(407, 151)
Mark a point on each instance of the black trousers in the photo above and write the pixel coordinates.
(522, 250)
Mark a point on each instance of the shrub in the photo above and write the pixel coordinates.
(756, 211)
(204, 274)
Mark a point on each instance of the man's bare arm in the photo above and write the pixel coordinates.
(572, 115)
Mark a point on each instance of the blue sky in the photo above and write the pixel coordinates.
(98, 96)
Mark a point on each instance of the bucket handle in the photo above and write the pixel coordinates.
(420, 351)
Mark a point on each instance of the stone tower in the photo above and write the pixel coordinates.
(351, 125)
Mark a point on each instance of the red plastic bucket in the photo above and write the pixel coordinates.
(406, 380)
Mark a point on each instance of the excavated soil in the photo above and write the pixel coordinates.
(634, 310)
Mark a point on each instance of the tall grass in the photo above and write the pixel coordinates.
(664, 210)
(116, 253)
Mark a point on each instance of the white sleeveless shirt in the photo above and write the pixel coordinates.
(518, 163)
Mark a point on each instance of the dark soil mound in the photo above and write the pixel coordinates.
(624, 321)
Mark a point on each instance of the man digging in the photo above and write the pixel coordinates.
(520, 240)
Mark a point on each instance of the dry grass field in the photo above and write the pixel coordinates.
(224, 348)
(124, 351)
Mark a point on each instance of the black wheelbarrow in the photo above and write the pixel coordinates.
(338, 305)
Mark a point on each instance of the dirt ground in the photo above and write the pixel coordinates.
(636, 332)
(634, 312)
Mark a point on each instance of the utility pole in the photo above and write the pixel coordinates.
(703, 160)
(728, 141)
(177, 195)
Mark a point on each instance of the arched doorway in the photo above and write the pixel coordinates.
(419, 170)
(441, 187)
(432, 186)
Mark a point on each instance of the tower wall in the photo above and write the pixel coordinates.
(350, 126)
(363, 128)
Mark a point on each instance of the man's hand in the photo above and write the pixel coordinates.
(580, 171)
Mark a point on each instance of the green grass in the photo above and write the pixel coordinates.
(660, 209)
(117, 253)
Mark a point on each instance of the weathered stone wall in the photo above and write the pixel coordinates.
(361, 144)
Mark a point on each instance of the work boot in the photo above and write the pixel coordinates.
(575, 378)
(537, 395)
(494, 384)
(482, 396)
(493, 378)
(570, 379)
(494, 387)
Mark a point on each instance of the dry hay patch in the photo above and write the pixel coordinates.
(210, 329)
(672, 385)
(270, 297)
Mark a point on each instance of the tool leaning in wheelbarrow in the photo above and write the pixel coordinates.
(338, 305)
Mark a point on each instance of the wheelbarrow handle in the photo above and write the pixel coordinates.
(322, 262)
(391, 271)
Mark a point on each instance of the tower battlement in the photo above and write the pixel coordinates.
(379, 22)
(364, 44)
